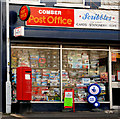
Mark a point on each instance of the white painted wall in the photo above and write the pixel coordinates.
(110, 2)
(70, 1)
(103, 2)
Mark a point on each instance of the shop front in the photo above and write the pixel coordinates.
(64, 55)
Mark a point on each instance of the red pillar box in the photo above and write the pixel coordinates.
(24, 83)
(69, 99)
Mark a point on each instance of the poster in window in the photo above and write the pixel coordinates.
(104, 77)
(34, 61)
(113, 77)
(118, 55)
(114, 55)
(118, 75)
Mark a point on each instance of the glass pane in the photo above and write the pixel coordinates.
(115, 66)
(45, 72)
(82, 68)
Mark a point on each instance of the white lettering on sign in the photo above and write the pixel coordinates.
(50, 12)
(68, 94)
(27, 76)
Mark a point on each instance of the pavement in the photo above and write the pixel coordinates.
(66, 115)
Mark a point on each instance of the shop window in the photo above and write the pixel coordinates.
(45, 72)
(82, 68)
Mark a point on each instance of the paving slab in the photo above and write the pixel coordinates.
(86, 115)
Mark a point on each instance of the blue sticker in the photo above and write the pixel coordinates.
(92, 99)
(96, 104)
(94, 89)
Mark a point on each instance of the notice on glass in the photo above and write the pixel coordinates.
(113, 77)
(118, 75)
(114, 55)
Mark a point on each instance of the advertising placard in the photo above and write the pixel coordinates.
(114, 57)
(113, 77)
(91, 99)
(69, 99)
(94, 89)
(118, 75)
(104, 77)
(96, 19)
(73, 18)
(43, 16)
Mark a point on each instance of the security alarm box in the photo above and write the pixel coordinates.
(24, 83)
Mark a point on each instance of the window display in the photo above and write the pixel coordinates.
(82, 68)
(45, 72)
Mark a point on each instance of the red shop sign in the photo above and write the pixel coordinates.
(24, 13)
(43, 16)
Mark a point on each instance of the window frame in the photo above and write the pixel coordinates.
(61, 50)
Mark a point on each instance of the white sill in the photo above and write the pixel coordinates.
(109, 7)
(70, 5)
(27, 3)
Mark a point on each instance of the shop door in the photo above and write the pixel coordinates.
(115, 101)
